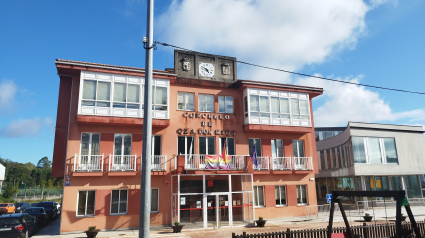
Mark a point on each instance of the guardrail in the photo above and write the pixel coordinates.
(158, 162)
(302, 163)
(122, 162)
(197, 162)
(263, 163)
(282, 163)
(88, 163)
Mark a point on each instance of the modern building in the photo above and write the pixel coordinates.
(369, 156)
(199, 107)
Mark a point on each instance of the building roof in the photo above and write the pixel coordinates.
(241, 82)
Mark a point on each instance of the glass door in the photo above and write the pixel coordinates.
(211, 211)
(223, 210)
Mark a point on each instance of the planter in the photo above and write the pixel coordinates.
(367, 218)
(177, 229)
(260, 223)
(92, 234)
(402, 218)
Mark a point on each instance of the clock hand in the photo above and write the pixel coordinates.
(206, 69)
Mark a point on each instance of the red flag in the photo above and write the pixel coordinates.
(223, 153)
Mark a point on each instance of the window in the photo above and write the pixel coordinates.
(245, 103)
(154, 200)
(390, 150)
(207, 145)
(343, 156)
(374, 150)
(122, 152)
(156, 145)
(299, 109)
(185, 144)
(298, 146)
(328, 158)
(322, 159)
(302, 194)
(90, 144)
(159, 98)
(280, 107)
(338, 154)
(259, 106)
(258, 196)
(205, 103)
(186, 101)
(334, 158)
(126, 96)
(96, 93)
(280, 192)
(225, 104)
(86, 203)
(119, 201)
(230, 145)
(277, 148)
(358, 149)
(257, 143)
(157, 161)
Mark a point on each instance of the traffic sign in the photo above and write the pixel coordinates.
(67, 183)
(328, 198)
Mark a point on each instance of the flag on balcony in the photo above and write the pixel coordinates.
(212, 161)
(223, 154)
(254, 156)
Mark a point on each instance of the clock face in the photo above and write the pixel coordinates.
(206, 70)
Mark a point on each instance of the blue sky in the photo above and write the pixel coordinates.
(377, 42)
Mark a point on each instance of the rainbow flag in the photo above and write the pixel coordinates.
(212, 161)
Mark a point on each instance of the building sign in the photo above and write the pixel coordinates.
(208, 131)
(182, 200)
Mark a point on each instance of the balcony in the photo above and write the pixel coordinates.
(88, 163)
(197, 162)
(158, 162)
(122, 163)
(302, 163)
(281, 163)
(284, 163)
(263, 163)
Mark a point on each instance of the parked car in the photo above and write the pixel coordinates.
(58, 206)
(34, 204)
(7, 208)
(51, 210)
(21, 206)
(17, 225)
(39, 214)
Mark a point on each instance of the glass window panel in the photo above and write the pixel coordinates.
(118, 144)
(95, 144)
(275, 104)
(230, 146)
(210, 103)
(255, 114)
(229, 104)
(358, 149)
(277, 195)
(279, 146)
(85, 140)
(123, 201)
(190, 141)
(157, 145)
(161, 95)
(103, 91)
(221, 105)
(265, 114)
(202, 103)
(390, 150)
(294, 107)
(119, 105)
(374, 150)
(257, 146)
(119, 92)
(264, 104)
(274, 155)
(181, 145)
(254, 103)
(298, 147)
(304, 194)
(87, 103)
(154, 200)
(283, 195)
(275, 115)
(90, 202)
(133, 93)
(114, 199)
(284, 105)
(127, 144)
(202, 145)
(255, 196)
(211, 145)
(190, 101)
(82, 196)
(103, 104)
(89, 90)
(180, 101)
(304, 107)
(133, 106)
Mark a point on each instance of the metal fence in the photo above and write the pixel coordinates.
(364, 231)
(38, 194)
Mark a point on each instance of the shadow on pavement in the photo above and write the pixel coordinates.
(51, 229)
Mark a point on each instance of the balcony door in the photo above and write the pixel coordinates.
(186, 147)
(89, 159)
(122, 152)
(156, 153)
(300, 163)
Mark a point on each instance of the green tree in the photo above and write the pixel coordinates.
(44, 163)
(9, 191)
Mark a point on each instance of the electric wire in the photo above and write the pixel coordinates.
(302, 74)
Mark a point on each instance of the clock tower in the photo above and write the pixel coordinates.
(194, 65)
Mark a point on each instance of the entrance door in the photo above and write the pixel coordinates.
(218, 211)
(211, 211)
(223, 210)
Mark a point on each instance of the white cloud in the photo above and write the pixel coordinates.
(8, 91)
(283, 34)
(25, 127)
(345, 102)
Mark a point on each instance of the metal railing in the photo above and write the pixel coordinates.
(302, 163)
(88, 163)
(158, 162)
(122, 162)
(282, 163)
(263, 163)
(197, 161)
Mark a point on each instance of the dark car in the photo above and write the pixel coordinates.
(21, 206)
(50, 208)
(39, 214)
(17, 225)
(34, 204)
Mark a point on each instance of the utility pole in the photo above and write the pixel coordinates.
(145, 184)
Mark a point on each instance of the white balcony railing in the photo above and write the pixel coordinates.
(122, 162)
(88, 163)
(158, 162)
(282, 163)
(302, 163)
(196, 161)
(263, 163)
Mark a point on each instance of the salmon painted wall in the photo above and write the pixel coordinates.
(105, 182)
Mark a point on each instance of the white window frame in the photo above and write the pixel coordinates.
(306, 194)
(225, 108)
(158, 200)
(122, 143)
(206, 103)
(382, 149)
(85, 205)
(280, 198)
(206, 144)
(185, 144)
(90, 141)
(274, 142)
(153, 144)
(258, 200)
(298, 147)
(184, 101)
(227, 144)
(119, 203)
